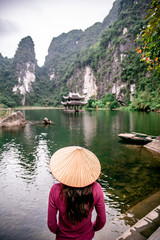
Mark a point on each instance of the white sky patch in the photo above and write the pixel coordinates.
(45, 19)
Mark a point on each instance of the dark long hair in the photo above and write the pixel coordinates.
(79, 202)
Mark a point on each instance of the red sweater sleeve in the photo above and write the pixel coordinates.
(52, 213)
(100, 209)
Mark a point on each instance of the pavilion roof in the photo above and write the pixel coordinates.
(73, 103)
(73, 96)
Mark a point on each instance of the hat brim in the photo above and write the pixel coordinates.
(75, 166)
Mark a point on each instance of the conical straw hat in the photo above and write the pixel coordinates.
(75, 166)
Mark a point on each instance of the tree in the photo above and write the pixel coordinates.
(150, 38)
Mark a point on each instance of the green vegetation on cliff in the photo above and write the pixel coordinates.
(108, 48)
(107, 102)
(7, 82)
(25, 51)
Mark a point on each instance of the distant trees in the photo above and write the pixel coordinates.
(108, 101)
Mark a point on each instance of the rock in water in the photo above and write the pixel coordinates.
(15, 119)
(46, 121)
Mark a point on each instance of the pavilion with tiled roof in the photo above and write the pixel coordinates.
(73, 101)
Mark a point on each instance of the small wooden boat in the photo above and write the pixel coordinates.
(138, 138)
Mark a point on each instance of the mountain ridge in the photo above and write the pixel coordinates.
(93, 61)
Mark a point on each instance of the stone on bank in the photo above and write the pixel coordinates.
(15, 119)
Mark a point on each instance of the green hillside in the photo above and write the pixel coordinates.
(108, 49)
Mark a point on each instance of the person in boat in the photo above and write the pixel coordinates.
(76, 195)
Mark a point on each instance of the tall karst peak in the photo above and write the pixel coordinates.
(99, 60)
(25, 64)
(25, 50)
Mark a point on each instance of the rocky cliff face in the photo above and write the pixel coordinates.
(107, 61)
(63, 50)
(89, 87)
(84, 81)
(94, 62)
(111, 68)
(25, 68)
(26, 76)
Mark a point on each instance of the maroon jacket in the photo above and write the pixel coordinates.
(85, 229)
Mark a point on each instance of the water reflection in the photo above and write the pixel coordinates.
(129, 173)
(89, 128)
(132, 176)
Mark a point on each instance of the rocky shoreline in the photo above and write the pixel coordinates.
(154, 145)
(145, 228)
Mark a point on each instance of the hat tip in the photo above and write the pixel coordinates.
(79, 148)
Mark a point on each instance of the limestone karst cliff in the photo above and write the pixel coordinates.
(104, 55)
(107, 58)
(25, 66)
(96, 61)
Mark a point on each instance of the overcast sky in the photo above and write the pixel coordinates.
(45, 19)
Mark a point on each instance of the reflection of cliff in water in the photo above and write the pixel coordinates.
(23, 148)
(132, 177)
(83, 124)
(89, 128)
(73, 120)
(129, 173)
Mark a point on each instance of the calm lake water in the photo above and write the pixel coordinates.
(130, 173)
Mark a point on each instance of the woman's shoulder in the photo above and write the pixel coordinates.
(96, 186)
(97, 191)
(56, 188)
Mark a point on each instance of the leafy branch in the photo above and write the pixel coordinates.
(150, 38)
